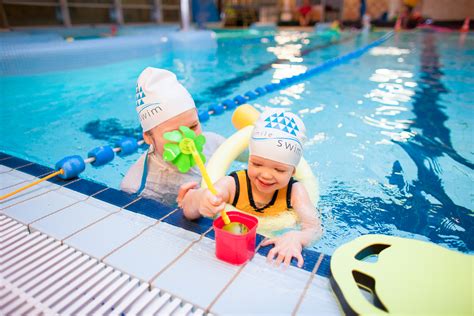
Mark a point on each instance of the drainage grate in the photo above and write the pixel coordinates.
(39, 275)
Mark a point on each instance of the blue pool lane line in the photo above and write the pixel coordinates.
(150, 208)
(231, 103)
(223, 88)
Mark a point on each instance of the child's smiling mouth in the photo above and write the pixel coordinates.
(265, 184)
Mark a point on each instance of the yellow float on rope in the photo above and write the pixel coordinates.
(244, 115)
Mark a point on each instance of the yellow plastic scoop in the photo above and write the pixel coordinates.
(187, 147)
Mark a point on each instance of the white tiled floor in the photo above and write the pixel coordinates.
(263, 289)
(101, 238)
(319, 299)
(71, 219)
(176, 260)
(4, 169)
(37, 207)
(11, 177)
(147, 255)
(13, 180)
(202, 275)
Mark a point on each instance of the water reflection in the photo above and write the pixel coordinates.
(308, 45)
(287, 37)
(289, 52)
(392, 93)
(388, 51)
(390, 110)
(385, 75)
(316, 138)
(441, 216)
(286, 70)
(312, 111)
(295, 91)
(416, 208)
(281, 101)
(399, 137)
(288, 48)
(386, 124)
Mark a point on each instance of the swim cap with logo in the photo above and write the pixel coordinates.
(160, 97)
(278, 135)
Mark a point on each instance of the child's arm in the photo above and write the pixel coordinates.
(201, 202)
(291, 244)
(307, 213)
(183, 190)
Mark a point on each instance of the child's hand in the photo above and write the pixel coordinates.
(286, 247)
(211, 204)
(183, 190)
(201, 202)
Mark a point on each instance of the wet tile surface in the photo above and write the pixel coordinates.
(148, 254)
(110, 233)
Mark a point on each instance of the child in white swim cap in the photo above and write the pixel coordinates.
(267, 187)
(163, 105)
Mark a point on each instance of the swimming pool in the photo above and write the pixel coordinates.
(389, 132)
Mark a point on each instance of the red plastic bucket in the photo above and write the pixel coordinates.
(236, 249)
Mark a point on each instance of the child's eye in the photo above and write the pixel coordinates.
(280, 170)
(193, 126)
(256, 164)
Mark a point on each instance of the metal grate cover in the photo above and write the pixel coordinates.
(39, 275)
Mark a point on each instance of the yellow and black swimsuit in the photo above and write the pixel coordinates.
(243, 198)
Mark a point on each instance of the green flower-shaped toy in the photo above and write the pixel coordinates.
(179, 149)
(184, 150)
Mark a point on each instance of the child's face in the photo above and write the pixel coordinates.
(267, 175)
(155, 135)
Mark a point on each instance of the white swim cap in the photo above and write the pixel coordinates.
(160, 97)
(278, 136)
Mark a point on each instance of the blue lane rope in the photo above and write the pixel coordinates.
(72, 166)
(99, 156)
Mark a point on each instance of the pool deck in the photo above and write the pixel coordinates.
(166, 262)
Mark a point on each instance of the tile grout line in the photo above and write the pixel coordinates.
(55, 189)
(218, 296)
(89, 225)
(65, 207)
(308, 283)
(128, 241)
(6, 158)
(37, 177)
(16, 168)
(100, 219)
(9, 186)
(180, 255)
(138, 235)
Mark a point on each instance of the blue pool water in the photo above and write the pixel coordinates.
(390, 132)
